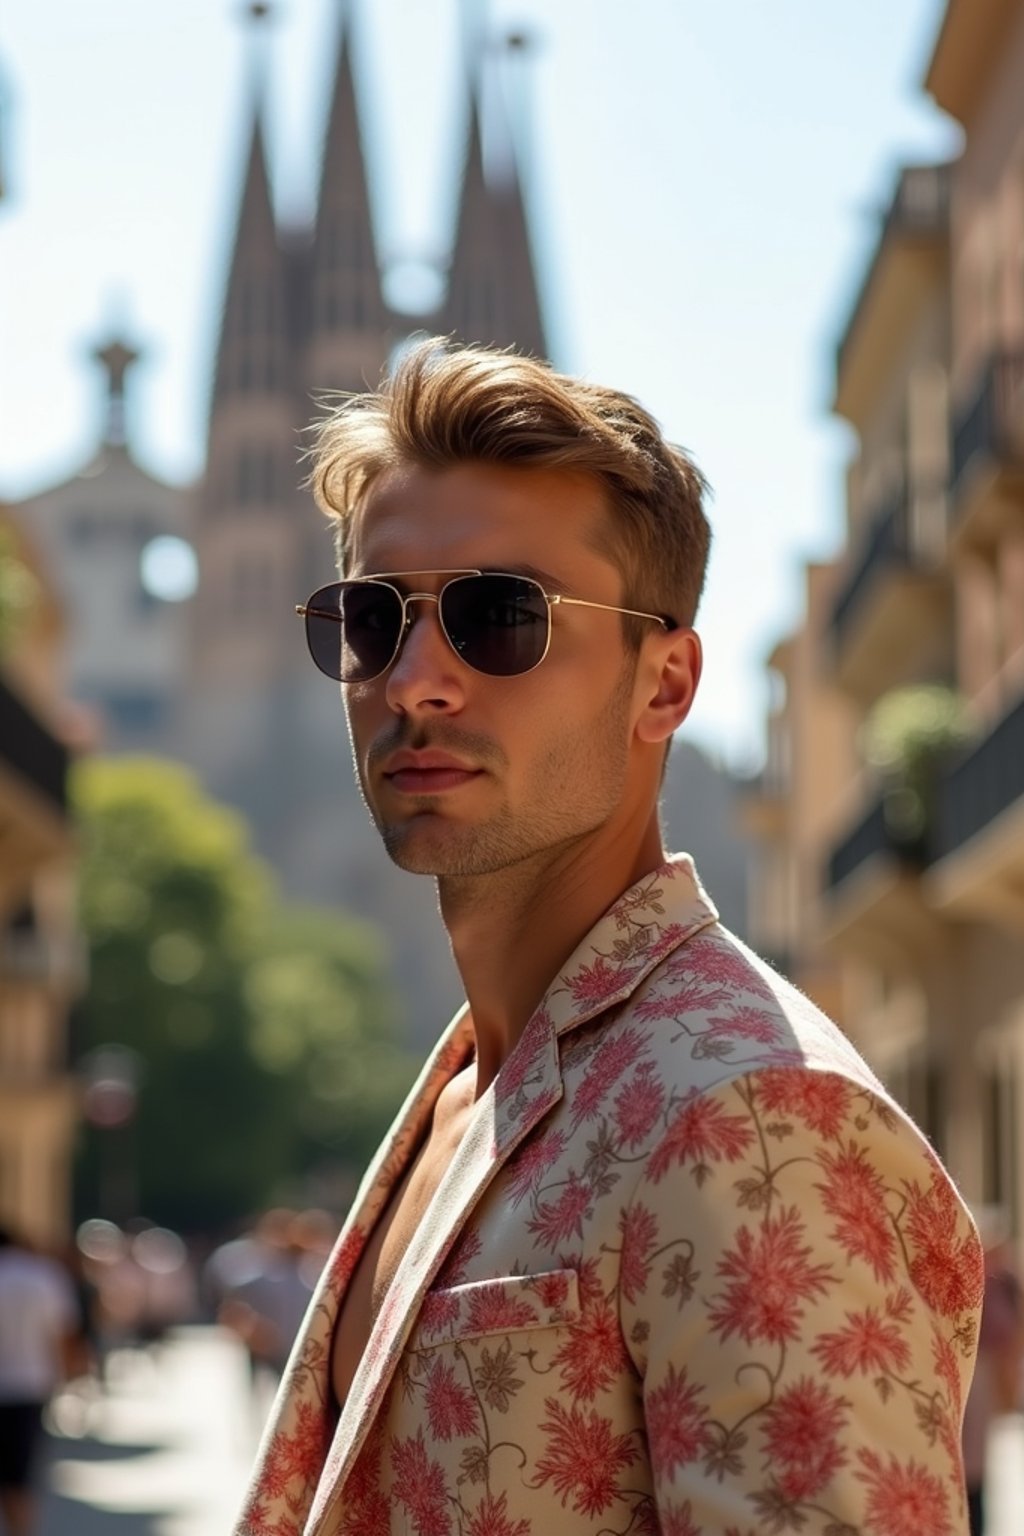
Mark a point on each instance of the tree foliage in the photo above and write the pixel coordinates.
(909, 738)
(264, 1033)
(19, 592)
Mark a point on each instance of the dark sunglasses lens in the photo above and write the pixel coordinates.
(371, 625)
(497, 624)
(353, 630)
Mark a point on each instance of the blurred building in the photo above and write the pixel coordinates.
(305, 312)
(95, 531)
(892, 882)
(700, 812)
(41, 967)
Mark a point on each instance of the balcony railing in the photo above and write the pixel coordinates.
(986, 424)
(880, 831)
(28, 750)
(888, 545)
(982, 785)
(919, 211)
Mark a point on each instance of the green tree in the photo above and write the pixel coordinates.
(909, 738)
(198, 971)
(321, 1022)
(19, 592)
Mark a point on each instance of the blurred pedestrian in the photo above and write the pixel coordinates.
(119, 1286)
(40, 1324)
(169, 1295)
(241, 1259)
(996, 1388)
(266, 1307)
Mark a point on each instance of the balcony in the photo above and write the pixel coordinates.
(33, 793)
(878, 835)
(911, 251)
(891, 616)
(872, 894)
(29, 751)
(988, 454)
(978, 864)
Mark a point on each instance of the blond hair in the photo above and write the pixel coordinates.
(447, 404)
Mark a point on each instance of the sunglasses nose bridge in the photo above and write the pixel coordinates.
(408, 598)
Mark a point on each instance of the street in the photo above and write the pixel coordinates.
(166, 1451)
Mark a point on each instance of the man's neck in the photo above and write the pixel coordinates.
(513, 930)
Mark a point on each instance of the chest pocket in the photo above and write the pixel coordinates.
(507, 1304)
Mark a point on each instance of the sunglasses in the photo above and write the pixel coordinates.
(498, 624)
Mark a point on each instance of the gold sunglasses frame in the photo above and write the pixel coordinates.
(456, 574)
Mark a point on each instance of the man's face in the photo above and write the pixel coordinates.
(535, 763)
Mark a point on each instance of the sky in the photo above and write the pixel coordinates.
(705, 180)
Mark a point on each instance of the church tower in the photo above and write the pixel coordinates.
(245, 530)
(95, 533)
(492, 290)
(349, 325)
(304, 313)
(251, 515)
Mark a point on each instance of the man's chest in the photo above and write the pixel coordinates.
(554, 1199)
(382, 1255)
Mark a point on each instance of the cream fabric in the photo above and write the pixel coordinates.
(690, 1270)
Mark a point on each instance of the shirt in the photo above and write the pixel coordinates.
(38, 1310)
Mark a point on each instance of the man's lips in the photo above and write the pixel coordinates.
(427, 773)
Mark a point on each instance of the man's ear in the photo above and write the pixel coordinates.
(671, 675)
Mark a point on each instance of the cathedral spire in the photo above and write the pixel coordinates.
(253, 353)
(346, 293)
(341, 164)
(259, 15)
(256, 216)
(492, 291)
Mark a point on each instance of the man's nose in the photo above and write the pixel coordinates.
(425, 674)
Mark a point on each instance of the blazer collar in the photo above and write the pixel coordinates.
(648, 921)
(645, 924)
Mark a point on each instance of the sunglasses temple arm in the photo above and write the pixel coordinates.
(633, 613)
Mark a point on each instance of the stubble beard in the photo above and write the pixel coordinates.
(573, 790)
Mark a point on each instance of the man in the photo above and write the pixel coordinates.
(40, 1324)
(648, 1248)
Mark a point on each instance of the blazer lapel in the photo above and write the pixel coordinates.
(647, 922)
(296, 1439)
(501, 1119)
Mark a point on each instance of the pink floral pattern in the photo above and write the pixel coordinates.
(700, 1275)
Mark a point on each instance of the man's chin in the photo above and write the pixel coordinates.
(433, 845)
(421, 849)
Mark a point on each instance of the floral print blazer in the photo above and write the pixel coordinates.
(691, 1270)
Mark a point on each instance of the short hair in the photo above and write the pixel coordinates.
(446, 404)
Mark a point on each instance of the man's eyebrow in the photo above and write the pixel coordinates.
(546, 579)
